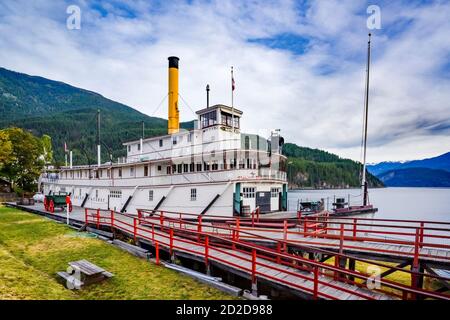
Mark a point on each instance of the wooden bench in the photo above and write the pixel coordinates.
(84, 273)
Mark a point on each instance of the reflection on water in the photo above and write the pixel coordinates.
(392, 203)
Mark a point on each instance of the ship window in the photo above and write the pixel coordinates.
(115, 194)
(191, 167)
(96, 194)
(180, 168)
(208, 119)
(185, 167)
(145, 171)
(159, 168)
(97, 174)
(174, 168)
(215, 166)
(274, 192)
(160, 143)
(174, 140)
(150, 195)
(248, 192)
(199, 167)
(193, 194)
(101, 173)
(139, 146)
(129, 148)
(168, 169)
(120, 172)
(189, 137)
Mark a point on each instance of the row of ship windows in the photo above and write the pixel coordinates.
(118, 194)
(176, 168)
(175, 140)
(247, 193)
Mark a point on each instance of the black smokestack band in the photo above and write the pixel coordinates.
(173, 62)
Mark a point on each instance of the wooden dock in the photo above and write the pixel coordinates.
(279, 268)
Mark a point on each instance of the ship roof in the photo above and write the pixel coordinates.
(220, 106)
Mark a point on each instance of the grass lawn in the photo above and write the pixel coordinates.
(33, 249)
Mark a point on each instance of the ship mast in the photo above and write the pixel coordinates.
(366, 116)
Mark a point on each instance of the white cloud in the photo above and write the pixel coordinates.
(316, 98)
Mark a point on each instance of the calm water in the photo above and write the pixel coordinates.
(392, 203)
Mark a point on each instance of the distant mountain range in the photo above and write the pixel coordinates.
(68, 114)
(431, 172)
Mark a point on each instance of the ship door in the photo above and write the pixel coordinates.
(263, 201)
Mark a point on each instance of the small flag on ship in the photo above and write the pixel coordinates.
(232, 80)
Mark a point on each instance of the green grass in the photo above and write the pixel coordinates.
(33, 249)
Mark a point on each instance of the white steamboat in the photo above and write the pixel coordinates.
(213, 169)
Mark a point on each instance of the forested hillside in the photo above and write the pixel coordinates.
(320, 169)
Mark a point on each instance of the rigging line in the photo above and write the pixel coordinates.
(187, 104)
(159, 105)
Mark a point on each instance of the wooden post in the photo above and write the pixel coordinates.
(98, 218)
(153, 232)
(86, 216)
(157, 252)
(316, 283)
(179, 218)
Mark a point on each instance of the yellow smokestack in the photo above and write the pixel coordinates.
(173, 125)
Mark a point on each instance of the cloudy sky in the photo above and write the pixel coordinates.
(299, 65)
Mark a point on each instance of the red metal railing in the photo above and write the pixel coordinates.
(196, 242)
(355, 235)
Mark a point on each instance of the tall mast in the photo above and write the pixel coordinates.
(366, 116)
(98, 139)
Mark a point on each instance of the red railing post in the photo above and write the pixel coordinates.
(299, 216)
(305, 226)
(139, 215)
(233, 238)
(153, 232)
(285, 234)
(161, 219)
(354, 227)
(171, 241)
(421, 234)
(253, 218)
(341, 239)
(237, 229)
(98, 218)
(112, 218)
(316, 283)
(86, 215)
(253, 266)
(179, 218)
(257, 214)
(415, 264)
(157, 252)
(135, 228)
(206, 250)
(199, 227)
(278, 251)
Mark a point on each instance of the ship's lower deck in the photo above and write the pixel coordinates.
(226, 198)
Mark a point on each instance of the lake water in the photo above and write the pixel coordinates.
(392, 203)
